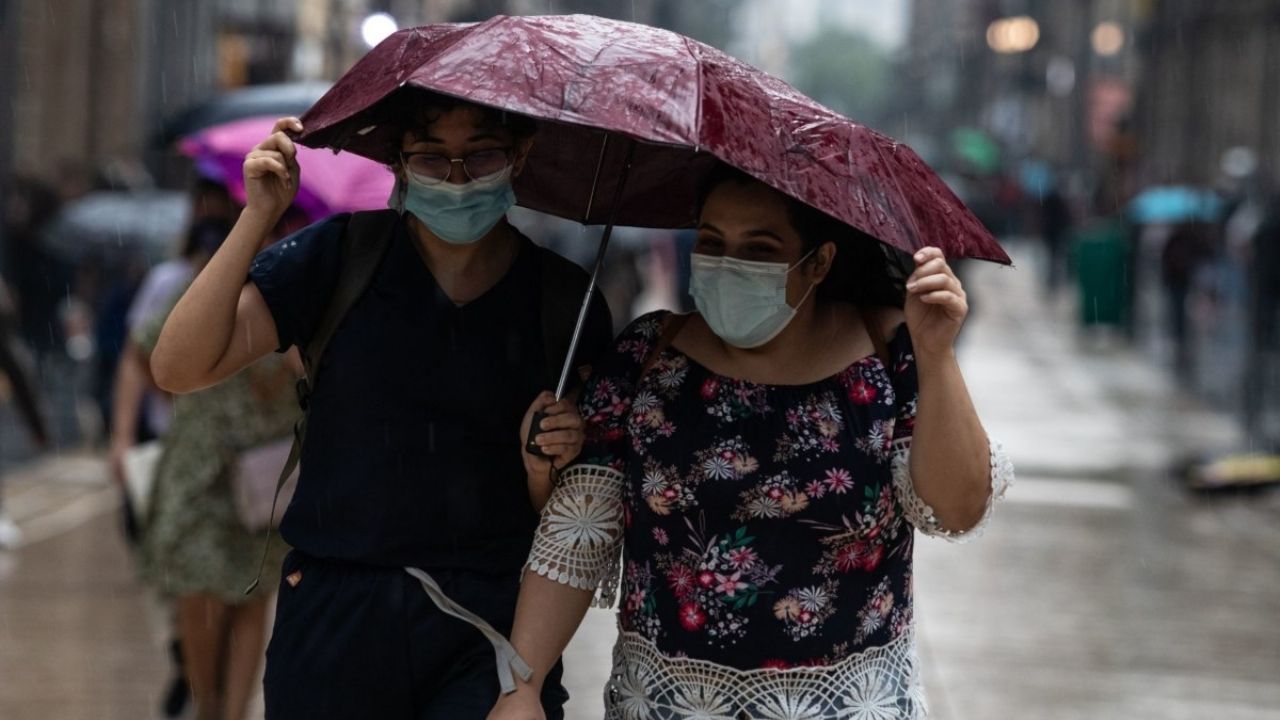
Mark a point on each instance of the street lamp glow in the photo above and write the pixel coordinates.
(377, 27)
(1108, 38)
(1013, 34)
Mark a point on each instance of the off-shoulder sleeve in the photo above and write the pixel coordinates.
(906, 388)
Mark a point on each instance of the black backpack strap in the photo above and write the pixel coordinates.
(364, 243)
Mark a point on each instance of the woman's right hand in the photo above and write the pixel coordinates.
(271, 172)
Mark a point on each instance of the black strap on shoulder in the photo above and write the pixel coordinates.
(364, 243)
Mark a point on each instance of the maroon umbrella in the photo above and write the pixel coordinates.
(633, 119)
(686, 103)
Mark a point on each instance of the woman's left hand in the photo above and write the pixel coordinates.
(561, 438)
(936, 304)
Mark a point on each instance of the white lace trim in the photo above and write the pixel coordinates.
(921, 515)
(579, 541)
(880, 683)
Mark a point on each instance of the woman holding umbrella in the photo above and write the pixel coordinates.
(411, 457)
(761, 465)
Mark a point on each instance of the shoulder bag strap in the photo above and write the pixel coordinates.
(364, 242)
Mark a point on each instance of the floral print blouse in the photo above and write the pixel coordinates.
(766, 534)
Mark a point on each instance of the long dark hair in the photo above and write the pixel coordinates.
(866, 273)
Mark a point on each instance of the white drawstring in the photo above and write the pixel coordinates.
(509, 661)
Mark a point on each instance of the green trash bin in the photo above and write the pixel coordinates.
(1100, 254)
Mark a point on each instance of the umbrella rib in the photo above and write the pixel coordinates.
(595, 183)
(697, 118)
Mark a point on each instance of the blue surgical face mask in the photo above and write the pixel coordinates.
(743, 302)
(457, 214)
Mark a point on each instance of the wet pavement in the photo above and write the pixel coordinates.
(1102, 590)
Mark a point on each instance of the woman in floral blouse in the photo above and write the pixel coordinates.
(762, 464)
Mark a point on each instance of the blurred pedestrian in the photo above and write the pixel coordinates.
(194, 546)
(760, 466)
(37, 278)
(142, 412)
(1055, 226)
(418, 497)
(1189, 247)
(15, 373)
(1262, 383)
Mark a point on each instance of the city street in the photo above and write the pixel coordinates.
(1102, 590)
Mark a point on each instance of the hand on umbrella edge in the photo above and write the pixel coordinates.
(271, 172)
(936, 304)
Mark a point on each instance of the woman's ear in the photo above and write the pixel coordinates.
(822, 261)
(522, 153)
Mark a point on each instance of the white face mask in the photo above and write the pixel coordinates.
(743, 302)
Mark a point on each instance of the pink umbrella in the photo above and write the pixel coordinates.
(330, 182)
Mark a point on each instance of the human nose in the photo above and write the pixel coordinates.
(457, 175)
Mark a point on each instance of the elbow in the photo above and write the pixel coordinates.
(966, 511)
(966, 518)
(167, 373)
(162, 373)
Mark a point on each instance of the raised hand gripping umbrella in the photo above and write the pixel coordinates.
(633, 118)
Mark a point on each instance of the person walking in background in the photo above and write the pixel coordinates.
(1189, 247)
(16, 378)
(38, 280)
(142, 412)
(195, 549)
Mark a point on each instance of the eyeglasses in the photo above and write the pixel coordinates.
(433, 168)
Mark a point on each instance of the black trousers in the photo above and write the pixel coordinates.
(354, 641)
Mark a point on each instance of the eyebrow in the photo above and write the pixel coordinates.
(474, 138)
(758, 233)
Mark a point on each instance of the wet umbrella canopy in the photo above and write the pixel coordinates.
(687, 105)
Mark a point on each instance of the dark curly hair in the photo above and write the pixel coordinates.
(866, 272)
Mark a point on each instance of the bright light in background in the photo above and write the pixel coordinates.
(1013, 34)
(377, 27)
(1108, 38)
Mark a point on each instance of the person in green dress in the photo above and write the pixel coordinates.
(194, 549)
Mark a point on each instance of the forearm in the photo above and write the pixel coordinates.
(540, 487)
(130, 389)
(548, 613)
(200, 328)
(950, 452)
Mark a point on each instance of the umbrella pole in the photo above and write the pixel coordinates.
(595, 272)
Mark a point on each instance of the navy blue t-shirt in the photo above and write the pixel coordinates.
(412, 454)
